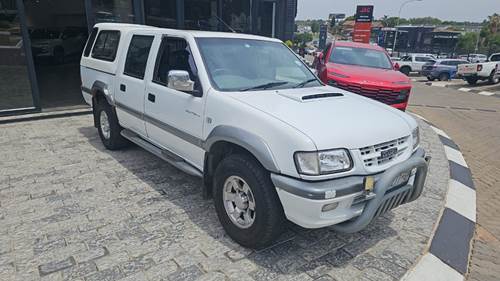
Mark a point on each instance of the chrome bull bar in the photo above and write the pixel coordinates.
(386, 196)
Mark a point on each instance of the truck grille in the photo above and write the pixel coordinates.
(382, 95)
(372, 155)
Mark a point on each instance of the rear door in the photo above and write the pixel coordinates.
(419, 62)
(174, 119)
(129, 97)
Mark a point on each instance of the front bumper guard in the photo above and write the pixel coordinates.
(386, 197)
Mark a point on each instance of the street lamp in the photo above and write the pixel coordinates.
(397, 23)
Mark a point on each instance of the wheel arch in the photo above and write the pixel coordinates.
(227, 140)
(99, 92)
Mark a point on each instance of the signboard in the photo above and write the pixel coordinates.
(323, 29)
(336, 16)
(363, 24)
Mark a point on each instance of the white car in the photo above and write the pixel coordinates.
(57, 44)
(489, 70)
(474, 58)
(245, 114)
(414, 62)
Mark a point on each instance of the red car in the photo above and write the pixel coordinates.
(363, 69)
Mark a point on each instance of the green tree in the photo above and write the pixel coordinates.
(467, 42)
(315, 26)
(300, 39)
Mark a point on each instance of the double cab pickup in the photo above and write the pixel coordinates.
(269, 140)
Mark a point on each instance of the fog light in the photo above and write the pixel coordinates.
(329, 207)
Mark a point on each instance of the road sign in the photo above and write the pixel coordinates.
(323, 30)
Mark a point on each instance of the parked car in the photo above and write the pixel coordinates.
(474, 58)
(57, 44)
(242, 112)
(364, 69)
(442, 69)
(414, 62)
(489, 70)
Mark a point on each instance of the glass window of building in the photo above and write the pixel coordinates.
(162, 13)
(265, 19)
(113, 11)
(200, 15)
(236, 13)
(15, 89)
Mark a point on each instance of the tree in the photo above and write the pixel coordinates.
(467, 42)
(300, 39)
(490, 34)
(315, 26)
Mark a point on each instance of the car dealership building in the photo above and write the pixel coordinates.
(41, 40)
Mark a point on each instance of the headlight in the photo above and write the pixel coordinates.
(403, 95)
(416, 137)
(323, 162)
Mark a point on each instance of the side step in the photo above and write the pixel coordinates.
(166, 155)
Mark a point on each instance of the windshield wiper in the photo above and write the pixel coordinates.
(265, 86)
(302, 84)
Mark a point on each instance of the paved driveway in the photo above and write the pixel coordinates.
(473, 121)
(71, 210)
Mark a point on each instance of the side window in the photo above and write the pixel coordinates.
(90, 42)
(174, 54)
(137, 56)
(106, 45)
(406, 58)
(421, 59)
(495, 58)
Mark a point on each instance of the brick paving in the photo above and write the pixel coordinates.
(473, 121)
(71, 210)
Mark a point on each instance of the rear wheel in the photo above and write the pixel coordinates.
(246, 202)
(430, 78)
(405, 70)
(108, 127)
(471, 80)
(494, 79)
(444, 76)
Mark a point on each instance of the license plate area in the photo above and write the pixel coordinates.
(389, 153)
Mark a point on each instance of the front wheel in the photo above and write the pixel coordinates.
(246, 202)
(405, 70)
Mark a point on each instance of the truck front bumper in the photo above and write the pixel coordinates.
(344, 202)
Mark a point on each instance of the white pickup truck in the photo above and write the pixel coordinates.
(270, 141)
(489, 70)
(413, 63)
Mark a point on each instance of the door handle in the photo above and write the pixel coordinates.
(123, 88)
(151, 97)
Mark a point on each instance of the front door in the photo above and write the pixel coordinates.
(130, 86)
(174, 119)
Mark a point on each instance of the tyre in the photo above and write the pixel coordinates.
(430, 78)
(405, 70)
(246, 202)
(444, 76)
(471, 80)
(494, 79)
(108, 127)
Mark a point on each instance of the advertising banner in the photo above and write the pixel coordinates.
(363, 24)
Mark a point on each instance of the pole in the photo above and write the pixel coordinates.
(397, 23)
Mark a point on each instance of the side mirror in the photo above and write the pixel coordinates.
(179, 80)
(396, 66)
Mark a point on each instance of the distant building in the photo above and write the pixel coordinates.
(420, 39)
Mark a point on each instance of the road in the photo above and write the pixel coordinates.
(473, 122)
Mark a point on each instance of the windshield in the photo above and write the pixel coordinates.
(247, 65)
(361, 57)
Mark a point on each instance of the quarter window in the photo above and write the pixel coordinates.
(106, 45)
(137, 56)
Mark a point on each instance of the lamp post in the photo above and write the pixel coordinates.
(397, 23)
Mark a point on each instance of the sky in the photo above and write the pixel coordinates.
(459, 10)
